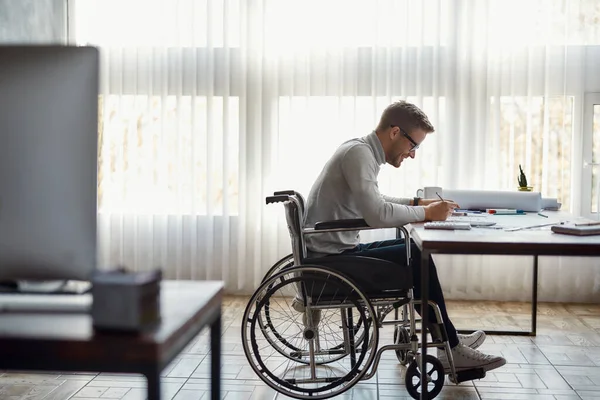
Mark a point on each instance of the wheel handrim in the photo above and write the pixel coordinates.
(337, 385)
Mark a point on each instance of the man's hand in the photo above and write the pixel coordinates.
(426, 202)
(439, 210)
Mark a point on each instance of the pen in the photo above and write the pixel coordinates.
(438, 195)
(542, 215)
(507, 212)
(520, 228)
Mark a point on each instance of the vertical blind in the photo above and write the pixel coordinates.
(208, 106)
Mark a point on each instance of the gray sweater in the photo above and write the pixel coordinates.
(347, 188)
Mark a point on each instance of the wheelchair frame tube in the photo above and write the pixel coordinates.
(425, 255)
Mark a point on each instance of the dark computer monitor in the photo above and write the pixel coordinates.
(48, 162)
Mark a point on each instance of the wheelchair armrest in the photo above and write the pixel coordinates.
(341, 224)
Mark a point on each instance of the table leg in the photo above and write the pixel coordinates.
(534, 296)
(153, 379)
(424, 318)
(215, 358)
(534, 307)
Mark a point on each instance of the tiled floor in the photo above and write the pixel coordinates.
(561, 362)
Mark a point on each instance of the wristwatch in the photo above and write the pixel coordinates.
(416, 201)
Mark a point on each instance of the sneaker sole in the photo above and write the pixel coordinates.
(486, 367)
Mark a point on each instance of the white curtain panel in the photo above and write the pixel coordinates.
(208, 106)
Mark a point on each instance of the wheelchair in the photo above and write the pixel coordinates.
(311, 329)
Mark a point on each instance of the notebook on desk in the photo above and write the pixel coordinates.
(578, 230)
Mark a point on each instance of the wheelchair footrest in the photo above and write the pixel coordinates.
(469, 375)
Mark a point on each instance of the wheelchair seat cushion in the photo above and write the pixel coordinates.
(377, 278)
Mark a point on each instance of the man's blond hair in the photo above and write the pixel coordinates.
(406, 116)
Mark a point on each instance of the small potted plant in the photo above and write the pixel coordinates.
(523, 181)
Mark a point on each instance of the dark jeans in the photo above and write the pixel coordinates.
(395, 251)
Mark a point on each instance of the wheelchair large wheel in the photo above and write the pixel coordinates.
(313, 370)
(289, 350)
(284, 262)
(435, 377)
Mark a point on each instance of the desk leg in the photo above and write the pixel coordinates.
(153, 379)
(534, 296)
(534, 306)
(424, 318)
(215, 358)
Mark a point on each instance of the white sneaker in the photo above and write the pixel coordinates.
(473, 340)
(298, 305)
(466, 358)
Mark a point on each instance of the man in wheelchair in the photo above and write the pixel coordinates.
(347, 189)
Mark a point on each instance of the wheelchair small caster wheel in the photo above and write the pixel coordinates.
(401, 336)
(435, 377)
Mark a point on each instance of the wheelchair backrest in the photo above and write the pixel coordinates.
(294, 215)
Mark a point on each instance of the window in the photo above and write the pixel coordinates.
(157, 156)
(311, 128)
(537, 133)
(297, 75)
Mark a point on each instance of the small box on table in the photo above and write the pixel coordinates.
(128, 302)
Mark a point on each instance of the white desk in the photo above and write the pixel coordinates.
(533, 242)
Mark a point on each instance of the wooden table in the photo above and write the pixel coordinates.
(533, 242)
(67, 342)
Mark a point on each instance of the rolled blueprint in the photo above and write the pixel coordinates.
(550, 204)
(484, 199)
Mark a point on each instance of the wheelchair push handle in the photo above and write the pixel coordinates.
(277, 199)
(287, 192)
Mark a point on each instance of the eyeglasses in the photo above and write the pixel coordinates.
(406, 135)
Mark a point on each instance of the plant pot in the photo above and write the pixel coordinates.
(525, 188)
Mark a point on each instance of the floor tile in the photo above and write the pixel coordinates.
(562, 362)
